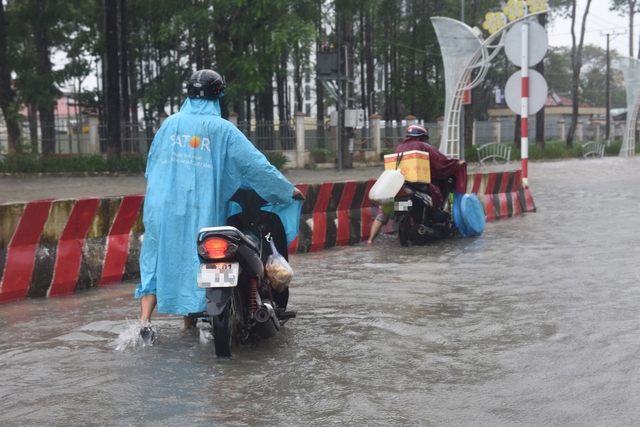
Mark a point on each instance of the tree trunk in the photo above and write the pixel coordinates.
(297, 78)
(281, 82)
(33, 126)
(112, 88)
(45, 107)
(632, 7)
(363, 83)
(576, 63)
(468, 109)
(370, 73)
(413, 107)
(468, 126)
(7, 94)
(133, 102)
(124, 66)
(319, 87)
(131, 143)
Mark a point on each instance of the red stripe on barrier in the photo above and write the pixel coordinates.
(529, 200)
(22, 251)
(344, 206)
(488, 204)
(525, 87)
(319, 234)
(118, 240)
(504, 182)
(366, 216)
(69, 253)
(491, 183)
(477, 182)
(504, 206)
(293, 247)
(518, 180)
(515, 200)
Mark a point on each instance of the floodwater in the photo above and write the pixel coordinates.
(534, 323)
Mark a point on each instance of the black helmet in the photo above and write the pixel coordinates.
(416, 131)
(206, 84)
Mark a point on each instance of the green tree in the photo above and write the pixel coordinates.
(7, 94)
(37, 28)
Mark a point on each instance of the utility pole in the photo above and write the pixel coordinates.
(608, 91)
(339, 99)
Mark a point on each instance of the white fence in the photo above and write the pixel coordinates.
(297, 137)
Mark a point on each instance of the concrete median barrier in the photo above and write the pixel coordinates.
(57, 247)
(502, 194)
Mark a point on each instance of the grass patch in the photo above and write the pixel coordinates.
(35, 163)
(136, 163)
(323, 155)
(552, 150)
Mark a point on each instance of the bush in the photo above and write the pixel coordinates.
(323, 155)
(558, 150)
(385, 152)
(553, 150)
(471, 153)
(277, 159)
(35, 163)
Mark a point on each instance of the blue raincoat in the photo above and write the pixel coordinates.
(196, 163)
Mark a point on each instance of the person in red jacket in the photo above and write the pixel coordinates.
(441, 167)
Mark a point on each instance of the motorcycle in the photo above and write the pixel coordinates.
(423, 212)
(243, 300)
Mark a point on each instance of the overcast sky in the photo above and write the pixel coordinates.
(600, 21)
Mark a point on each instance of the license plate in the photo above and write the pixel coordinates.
(218, 275)
(402, 205)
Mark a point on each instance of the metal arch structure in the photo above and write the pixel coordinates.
(630, 68)
(463, 53)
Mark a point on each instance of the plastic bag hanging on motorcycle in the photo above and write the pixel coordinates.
(277, 269)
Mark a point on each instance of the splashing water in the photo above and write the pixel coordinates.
(205, 336)
(130, 337)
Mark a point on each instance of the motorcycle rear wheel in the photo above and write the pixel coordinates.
(227, 326)
(404, 229)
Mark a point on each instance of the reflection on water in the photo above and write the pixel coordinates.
(534, 323)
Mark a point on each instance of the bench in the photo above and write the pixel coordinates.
(494, 151)
(593, 149)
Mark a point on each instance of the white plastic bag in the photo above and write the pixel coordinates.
(278, 270)
(386, 187)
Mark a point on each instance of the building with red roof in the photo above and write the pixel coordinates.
(556, 107)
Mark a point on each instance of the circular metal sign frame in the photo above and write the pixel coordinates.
(538, 43)
(538, 90)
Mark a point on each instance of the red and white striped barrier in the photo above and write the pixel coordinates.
(502, 194)
(57, 247)
(334, 214)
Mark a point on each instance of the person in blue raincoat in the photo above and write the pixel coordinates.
(196, 163)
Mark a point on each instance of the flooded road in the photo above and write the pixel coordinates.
(535, 323)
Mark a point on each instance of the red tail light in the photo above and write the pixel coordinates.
(217, 248)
